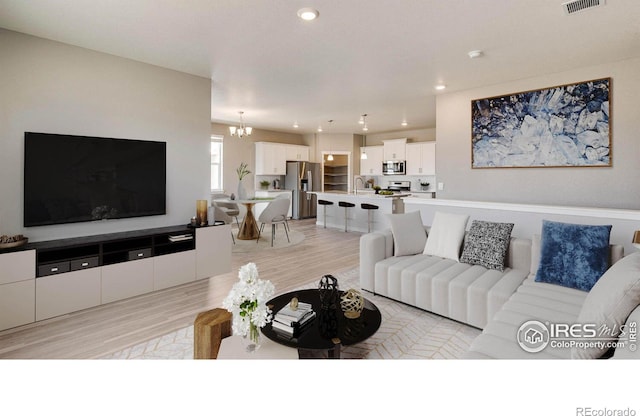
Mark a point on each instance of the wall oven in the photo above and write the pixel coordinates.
(394, 167)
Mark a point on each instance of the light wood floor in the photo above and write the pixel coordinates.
(102, 330)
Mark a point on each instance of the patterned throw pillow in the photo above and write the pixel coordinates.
(573, 255)
(486, 244)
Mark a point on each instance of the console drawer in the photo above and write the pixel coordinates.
(54, 268)
(85, 263)
(140, 254)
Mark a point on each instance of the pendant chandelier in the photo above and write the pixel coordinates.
(242, 130)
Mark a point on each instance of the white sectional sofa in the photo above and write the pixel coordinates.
(499, 302)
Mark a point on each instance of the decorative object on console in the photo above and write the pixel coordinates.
(573, 255)
(12, 241)
(352, 303)
(446, 235)
(563, 126)
(636, 239)
(247, 302)
(409, 235)
(328, 288)
(201, 212)
(486, 244)
(424, 185)
(241, 130)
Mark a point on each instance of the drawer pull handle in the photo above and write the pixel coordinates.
(140, 254)
(54, 269)
(85, 264)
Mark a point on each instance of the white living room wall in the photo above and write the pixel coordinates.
(604, 187)
(52, 87)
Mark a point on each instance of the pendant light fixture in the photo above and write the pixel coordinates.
(330, 157)
(242, 130)
(363, 121)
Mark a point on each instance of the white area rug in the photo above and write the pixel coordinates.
(405, 333)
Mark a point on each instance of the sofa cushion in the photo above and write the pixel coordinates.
(610, 301)
(446, 235)
(409, 235)
(573, 255)
(486, 244)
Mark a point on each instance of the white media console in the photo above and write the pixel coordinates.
(47, 279)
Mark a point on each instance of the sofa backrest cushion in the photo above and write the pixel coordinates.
(486, 244)
(409, 235)
(573, 255)
(610, 302)
(446, 235)
(616, 253)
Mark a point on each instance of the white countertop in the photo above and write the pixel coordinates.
(363, 194)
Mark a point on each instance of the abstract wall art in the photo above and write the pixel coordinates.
(564, 126)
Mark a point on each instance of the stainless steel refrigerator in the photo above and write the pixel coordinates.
(302, 178)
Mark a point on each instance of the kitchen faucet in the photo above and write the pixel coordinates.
(355, 184)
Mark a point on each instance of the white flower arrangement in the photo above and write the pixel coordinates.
(247, 302)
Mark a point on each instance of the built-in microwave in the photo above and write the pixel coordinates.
(394, 167)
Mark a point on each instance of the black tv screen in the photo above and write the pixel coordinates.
(78, 178)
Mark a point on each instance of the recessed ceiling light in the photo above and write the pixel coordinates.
(475, 54)
(319, 129)
(403, 124)
(307, 13)
(295, 125)
(440, 87)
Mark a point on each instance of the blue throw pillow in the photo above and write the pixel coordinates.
(573, 255)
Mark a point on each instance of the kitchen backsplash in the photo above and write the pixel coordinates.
(383, 181)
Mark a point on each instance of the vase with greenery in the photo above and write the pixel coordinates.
(264, 184)
(242, 171)
(247, 302)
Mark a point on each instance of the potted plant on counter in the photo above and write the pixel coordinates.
(264, 184)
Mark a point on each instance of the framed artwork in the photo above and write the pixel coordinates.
(564, 126)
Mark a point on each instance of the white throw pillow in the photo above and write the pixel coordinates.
(409, 235)
(608, 305)
(446, 235)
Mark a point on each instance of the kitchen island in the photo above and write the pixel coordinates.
(357, 217)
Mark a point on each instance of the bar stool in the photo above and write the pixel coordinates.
(369, 208)
(346, 206)
(324, 204)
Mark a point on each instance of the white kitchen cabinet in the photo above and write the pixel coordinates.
(271, 159)
(297, 153)
(421, 158)
(67, 292)
(372, 165)
(395, 149)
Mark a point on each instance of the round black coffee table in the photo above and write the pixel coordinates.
(329, 329)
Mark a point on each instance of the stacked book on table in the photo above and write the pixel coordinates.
(291, 322)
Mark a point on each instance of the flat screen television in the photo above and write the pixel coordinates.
(78, 178)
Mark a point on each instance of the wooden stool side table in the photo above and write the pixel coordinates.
(209, 329)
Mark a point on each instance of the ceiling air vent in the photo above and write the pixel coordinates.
(576, 6)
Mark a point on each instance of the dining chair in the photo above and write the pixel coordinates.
(220, 215)
(230, 208)
(285, 196)
(274, 213)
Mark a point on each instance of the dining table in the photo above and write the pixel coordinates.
(249, 227)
